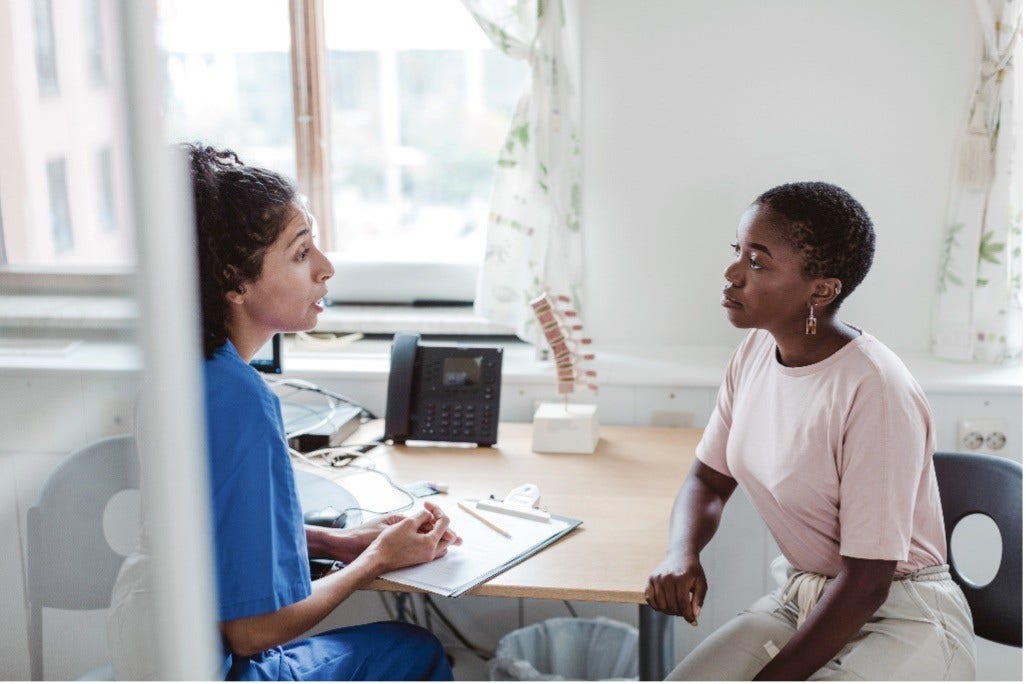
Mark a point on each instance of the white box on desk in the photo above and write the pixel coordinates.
(565, 428)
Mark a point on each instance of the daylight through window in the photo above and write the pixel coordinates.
(418, 105)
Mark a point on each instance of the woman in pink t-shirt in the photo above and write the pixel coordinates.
(832, 440)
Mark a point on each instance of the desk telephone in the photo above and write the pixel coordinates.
(442, 393)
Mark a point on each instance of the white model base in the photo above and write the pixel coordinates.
(565, 428)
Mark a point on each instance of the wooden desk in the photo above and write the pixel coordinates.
(623, 492)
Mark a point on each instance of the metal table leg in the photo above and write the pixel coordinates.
(401, 599)
(655, 644)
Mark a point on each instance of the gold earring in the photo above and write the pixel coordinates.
(810, 322)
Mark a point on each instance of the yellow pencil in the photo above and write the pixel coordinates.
(486, 521)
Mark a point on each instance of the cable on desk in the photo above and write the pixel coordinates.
(305, 385)
(328, 417)
(307, 458)
(341, 456)
(395, 485)
(573, 613)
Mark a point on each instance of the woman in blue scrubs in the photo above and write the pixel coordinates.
(261, 273)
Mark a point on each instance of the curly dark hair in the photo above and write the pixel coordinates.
(829, 228)
(240, 211)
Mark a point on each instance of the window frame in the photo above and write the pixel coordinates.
(310, 106)
(311, 103)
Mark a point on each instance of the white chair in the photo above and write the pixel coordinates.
(71, 565)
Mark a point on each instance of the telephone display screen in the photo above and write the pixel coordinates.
(461, 371)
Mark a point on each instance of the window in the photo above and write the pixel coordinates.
(94, 42)
(60, 213)
(46, 48)
(105, 176)
(231, 88)
(419, 110)
(414, 112)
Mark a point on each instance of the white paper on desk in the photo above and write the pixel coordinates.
(484, 552)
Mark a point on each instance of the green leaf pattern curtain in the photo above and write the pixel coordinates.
(533, 241)
(978, 307)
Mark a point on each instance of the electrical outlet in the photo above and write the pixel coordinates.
(982, 435)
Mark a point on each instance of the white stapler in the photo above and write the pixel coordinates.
(522, 501)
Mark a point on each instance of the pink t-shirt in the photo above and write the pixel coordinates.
(837, 457)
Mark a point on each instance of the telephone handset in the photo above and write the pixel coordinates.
(442, 393)
(400, 385)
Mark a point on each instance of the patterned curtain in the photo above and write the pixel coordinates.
(978, 307)
(533, 239)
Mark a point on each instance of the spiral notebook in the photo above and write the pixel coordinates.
(484, 553)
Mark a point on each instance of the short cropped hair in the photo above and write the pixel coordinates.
(240, 211)
(829, 228)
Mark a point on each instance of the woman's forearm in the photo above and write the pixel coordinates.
(251, 635)
(697, 510)
(846, 605)
(344, 545)
(677, 586)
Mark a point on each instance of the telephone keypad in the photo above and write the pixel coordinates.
(457, 419)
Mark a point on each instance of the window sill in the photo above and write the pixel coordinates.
(624, 366)
(435, 320)
(63, 312)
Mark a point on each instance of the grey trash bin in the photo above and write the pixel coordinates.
(567, 648)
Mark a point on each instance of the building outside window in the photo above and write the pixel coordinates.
(75, 213)
(60, 212)
(46, 47)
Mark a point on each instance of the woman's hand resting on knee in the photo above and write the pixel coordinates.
(677, 587)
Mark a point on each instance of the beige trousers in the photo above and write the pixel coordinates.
(922, 631)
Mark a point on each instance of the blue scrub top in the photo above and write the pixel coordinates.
(259, 539)
(260, 545)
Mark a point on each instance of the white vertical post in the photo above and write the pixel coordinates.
(173, 447)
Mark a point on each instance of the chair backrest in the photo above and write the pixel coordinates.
(70, 564)
(992, 486)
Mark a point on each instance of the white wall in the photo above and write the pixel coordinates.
(691, 108)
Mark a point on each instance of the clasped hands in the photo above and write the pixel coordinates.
(397, 541)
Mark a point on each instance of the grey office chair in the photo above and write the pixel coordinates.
(71, 566)
(977, 483)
